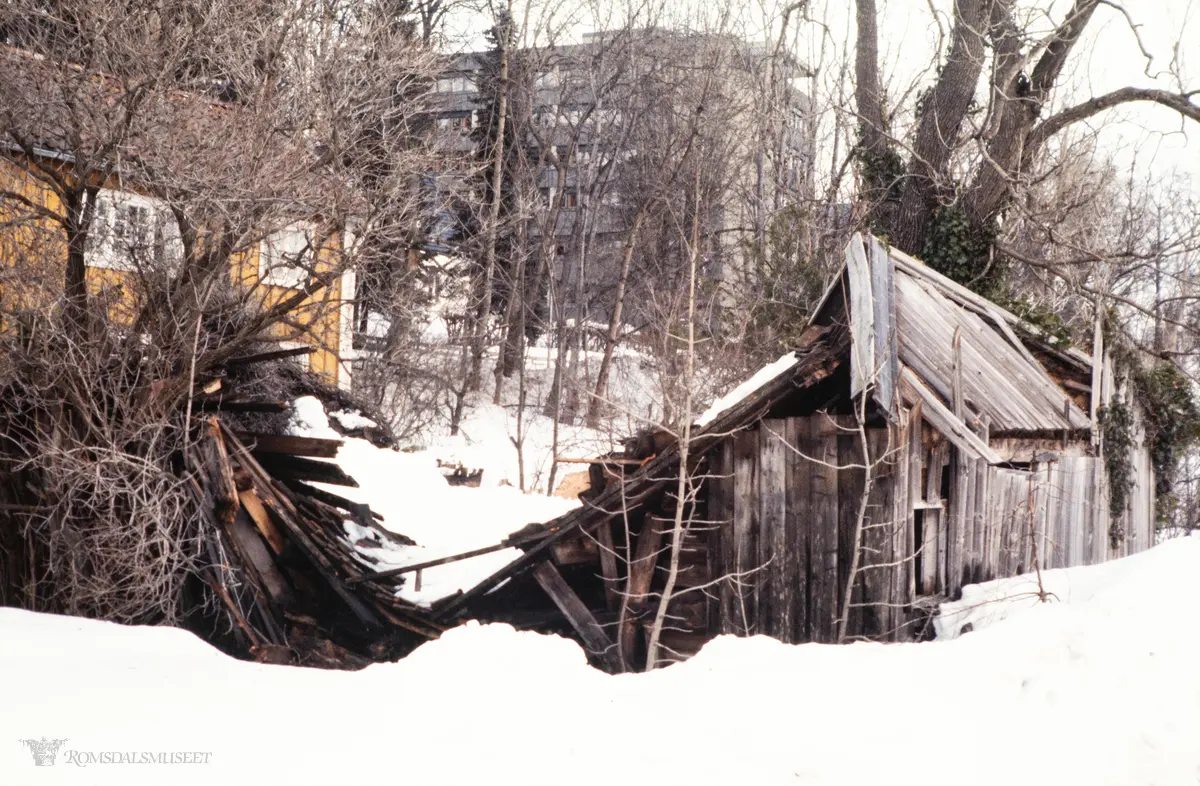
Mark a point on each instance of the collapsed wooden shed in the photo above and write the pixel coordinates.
(968, 440)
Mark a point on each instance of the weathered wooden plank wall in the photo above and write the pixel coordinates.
(791, 491)
(719, 487)
(778, 574)
(824, 587)
(743, 561)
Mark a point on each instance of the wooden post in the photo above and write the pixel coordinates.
(594, 637)
(608, 564)
(933, 563)
(960, 466)
(641, 573)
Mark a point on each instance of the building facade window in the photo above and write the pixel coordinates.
(131, 231)
(457, 122)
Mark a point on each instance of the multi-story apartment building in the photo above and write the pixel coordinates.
(592, 120)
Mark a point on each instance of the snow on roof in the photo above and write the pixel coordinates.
(747, 388)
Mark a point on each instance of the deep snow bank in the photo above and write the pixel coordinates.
(1098, 688)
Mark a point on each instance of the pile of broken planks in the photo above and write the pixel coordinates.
(282, 563)
(278, 555)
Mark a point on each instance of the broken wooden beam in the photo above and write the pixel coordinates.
(253, 507)
(298, 468)
(313, 447)
(335, 500)
(263, 357)
(577, 613)
(433, 563)
(224, 405)
(285, 513)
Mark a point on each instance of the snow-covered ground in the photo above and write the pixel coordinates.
(1098, 687)
(412, 495)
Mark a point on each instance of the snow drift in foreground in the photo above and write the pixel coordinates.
(1100, 687)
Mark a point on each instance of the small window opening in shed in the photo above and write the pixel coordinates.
(919, 557)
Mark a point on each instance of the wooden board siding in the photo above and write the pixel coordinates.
(824, 587)
(719, 486)
(743, 560)
(851, 481)
(790, 498)
(777, 583)
(799, 495)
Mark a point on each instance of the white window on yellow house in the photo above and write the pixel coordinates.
(131, 231)
(285, 257)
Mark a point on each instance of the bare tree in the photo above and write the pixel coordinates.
(155, 159)
(957, 170)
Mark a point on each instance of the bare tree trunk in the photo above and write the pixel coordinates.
(80, 207)
(600, 392)
(483, 308)
(859, 519)
(683, 487)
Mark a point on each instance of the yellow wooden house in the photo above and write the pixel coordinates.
(130, 225)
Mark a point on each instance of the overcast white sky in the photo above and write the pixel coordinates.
(1153, 139)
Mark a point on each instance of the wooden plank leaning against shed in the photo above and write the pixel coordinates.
(594, 637)
(943, 419)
